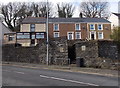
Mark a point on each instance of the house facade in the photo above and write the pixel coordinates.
(31, 31)
(34, 29)
(115, 20)
(80, 28)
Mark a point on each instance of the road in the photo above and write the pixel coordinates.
(19, 76)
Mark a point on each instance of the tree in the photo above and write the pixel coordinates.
(14, 13)
(40, 9)
(95, 8)
(65, 10)
(116, 34)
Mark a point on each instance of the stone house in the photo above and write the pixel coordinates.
(33, 29)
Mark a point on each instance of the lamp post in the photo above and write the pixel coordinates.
(47, 56)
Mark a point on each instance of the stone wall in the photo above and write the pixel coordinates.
(108, 49)
(88, 51)
(58, 54)
(99, 54)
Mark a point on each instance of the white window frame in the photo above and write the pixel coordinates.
(54, 27)
(101, 26)
(57, 36)
(76, 27)
(94, 34)
(76, 35)
(102, 35)
(93, 25)
(72, 35)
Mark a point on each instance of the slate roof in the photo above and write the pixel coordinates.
(64, 20)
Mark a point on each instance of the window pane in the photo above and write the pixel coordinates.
(77, 26)
(56, 27)
(11, 38)
(32, 27)
(100, 35)
(39, 35)
(33, 36)
(100, 27)
(56, 34)
(91, 27)
(78, 36)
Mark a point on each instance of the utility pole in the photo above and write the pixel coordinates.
(47, 56)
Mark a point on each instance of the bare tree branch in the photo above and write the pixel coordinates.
(95, 8)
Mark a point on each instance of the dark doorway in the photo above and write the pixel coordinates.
(32, 41)
(71, 54)
(92, 36)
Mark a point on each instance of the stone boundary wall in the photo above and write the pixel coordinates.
(58, 54)
(99, 54)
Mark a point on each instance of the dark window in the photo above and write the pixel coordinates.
(11, 38)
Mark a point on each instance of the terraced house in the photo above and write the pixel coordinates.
(34, 29)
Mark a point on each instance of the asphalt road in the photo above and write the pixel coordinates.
(19, 76)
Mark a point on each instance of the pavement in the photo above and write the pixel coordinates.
(102, 72)
(35, 75)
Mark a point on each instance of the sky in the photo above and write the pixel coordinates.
(113, 3)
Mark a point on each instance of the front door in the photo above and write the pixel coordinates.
(33, 39)
(92, 35)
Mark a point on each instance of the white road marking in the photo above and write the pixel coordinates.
(6, 70)
(73, 81)
(14, 71)
(19, 72)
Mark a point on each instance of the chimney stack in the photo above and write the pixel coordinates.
(81, 15)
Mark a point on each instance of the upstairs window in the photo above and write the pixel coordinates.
(56, 27)
(32, 28)
(92, 27)
(77, 26)
(100, 27)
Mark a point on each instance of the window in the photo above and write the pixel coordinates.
(26, 35)
(100, 27)
(11, 38)
(19, 35)
(39, 35)
(33, 36)
(92, 27)
(56, 34)
(77, 26)
(70, 35)
(100, 35)
(32, 27)
(78, 35)
(23, 35)
(56, 27)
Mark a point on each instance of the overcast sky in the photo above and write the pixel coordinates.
(113, 3)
